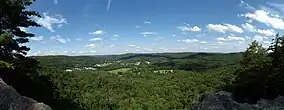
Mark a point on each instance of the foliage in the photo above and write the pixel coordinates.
(13, 16)
(253, 74)
(143, 89)
(261, 73)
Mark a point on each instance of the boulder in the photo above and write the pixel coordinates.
(10, 99)
(224, 101)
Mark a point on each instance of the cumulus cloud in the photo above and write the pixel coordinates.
(258, 38)
(187, 41)
(265, 32)
(40, 53)
(268, 32)
(248, 27)
(203, 42)
(110, 46)
(186, 28)
(148, 33)
(96, 39)
(97, 32)
(247, 6)
(114, 37)
(265, 17)
(92, 45)
(39, 38)
(148, 49)
(48, 21)
(230, 38)
(58, 38)
(93, 51)
(223, 28)
(78, 39)
(147, 22)
(133, 46)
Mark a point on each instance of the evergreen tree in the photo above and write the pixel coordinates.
(251, 81)
(13, 16)
(276, 85)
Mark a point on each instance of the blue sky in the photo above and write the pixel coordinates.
(99, 27)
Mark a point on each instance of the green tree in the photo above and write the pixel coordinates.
(252, 78)
(13, 16)
(276, 85)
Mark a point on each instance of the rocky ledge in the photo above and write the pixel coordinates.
(10, 99)
(224, 101)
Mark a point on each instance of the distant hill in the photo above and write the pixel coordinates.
(184, 61)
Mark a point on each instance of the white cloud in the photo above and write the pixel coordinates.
(221, 39)
(148, 49)
(266, 18)
(247, 6)
(91, 45)
(96, 39)
(230, 38)
(48, 21)
(149, 33)
(187, 41)
(110, 46)
(147, 22)
(137, 26)
(108, 5)
(266, 42)
(23, 29)
(223, 28)
(93, 51)
(159, 39)
(258, 38)
(58, 38)
(115, 35)
(186, 28)
(65, 51)
(97, 32)
(248, 27)
(39, 38)
(55, 2)
(265, 32)
(131, 45)
(278, 6)
(220, 43)
(78, 39)
(268, 32)
(203, 42)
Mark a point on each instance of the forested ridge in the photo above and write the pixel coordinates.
(133, 81)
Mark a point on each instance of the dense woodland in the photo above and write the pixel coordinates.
(133, 81)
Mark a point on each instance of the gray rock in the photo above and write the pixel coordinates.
(11, 100)
(224, 101)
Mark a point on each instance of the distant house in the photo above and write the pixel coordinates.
(68, 70)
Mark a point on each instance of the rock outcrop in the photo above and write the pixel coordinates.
(11, 100)
(224, 101)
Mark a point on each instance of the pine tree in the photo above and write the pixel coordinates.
(252, 78)
(13, 16)
(276, 86)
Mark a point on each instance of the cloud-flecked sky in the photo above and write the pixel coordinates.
(100, 27)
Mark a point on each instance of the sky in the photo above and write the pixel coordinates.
(103, 27)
